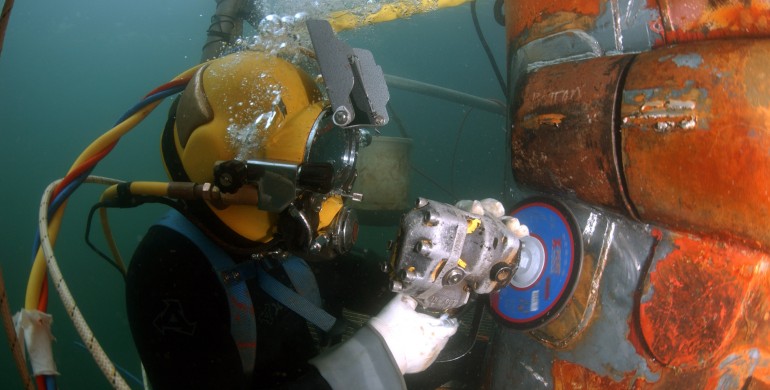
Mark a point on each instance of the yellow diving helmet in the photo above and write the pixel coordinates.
(252, 123)
(251, 119)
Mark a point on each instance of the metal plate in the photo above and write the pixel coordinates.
(554, 227)
(564, 135)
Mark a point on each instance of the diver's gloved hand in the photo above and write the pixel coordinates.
(493, 208)
(396, 341)
(414, 339)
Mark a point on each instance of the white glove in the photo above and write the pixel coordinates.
(414, 339)
(493, 208)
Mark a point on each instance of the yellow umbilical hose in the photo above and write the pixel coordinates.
(113, 135)
(68, 301)
(135, 188)
(147, 188)
(352, 19)
(49, 230)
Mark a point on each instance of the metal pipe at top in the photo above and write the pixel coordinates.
(451, 95)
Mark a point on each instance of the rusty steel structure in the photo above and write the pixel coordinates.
(695, 136)
(653, 119)
(654, 309)
(677, 136)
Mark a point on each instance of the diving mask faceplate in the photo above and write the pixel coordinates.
(328, 167)
(303, 191)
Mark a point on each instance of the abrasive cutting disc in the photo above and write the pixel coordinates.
(549, 266)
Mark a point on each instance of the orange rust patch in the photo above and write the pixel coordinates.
(702, 165)
(568, 376)
(549, 15)
(737, 17)
(697, 296)
(535, 122)
(689, 20)
(555, 23)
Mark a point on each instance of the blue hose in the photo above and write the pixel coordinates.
(70, 188)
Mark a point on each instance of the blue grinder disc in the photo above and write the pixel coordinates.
(549, 266)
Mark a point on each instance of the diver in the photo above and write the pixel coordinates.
(227, 291)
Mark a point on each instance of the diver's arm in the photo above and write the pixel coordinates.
(397, 341)
(363, 360)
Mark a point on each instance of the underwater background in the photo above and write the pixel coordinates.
(68, 70)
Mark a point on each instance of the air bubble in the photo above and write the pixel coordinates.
(300, 17)
(272, 25)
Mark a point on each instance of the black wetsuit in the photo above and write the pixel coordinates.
(180, 321)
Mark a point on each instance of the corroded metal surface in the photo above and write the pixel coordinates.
(705, 309)
(691, 20)
(597, 235)
(615, 26)
(616, 250)
(526, 19)
(674, 312)
(570, 376)
(564, 139)
(692, 130)
(543, 33)
(696, 138)
(620, 26)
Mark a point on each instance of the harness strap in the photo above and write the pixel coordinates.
(303, 279)
(243, 326)
(306, 302)
(297, 303)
